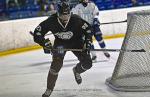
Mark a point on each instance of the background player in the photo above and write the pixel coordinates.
(71, 32)
(89, 12)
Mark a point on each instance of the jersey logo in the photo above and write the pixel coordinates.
(64, 35)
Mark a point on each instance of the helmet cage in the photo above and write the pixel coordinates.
(63, 8)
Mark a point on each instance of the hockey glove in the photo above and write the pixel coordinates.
(47, 46)
(96, 22)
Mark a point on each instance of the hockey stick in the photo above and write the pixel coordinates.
(33, 33)
(113, 22)
(109, 50)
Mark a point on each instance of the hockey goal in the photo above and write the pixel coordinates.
(132, 70)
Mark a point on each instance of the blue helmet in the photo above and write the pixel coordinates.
(63, 7)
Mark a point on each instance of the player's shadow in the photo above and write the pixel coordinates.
(49, 62)
(67, 63)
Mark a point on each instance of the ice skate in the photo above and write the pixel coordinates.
(47, 93)
(94, 58)
(77, 76)
(107, 54)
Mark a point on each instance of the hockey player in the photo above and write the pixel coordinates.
(89, 12)
(70, 32)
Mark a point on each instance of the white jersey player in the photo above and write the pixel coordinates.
(89, 12)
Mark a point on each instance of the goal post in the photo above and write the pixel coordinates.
(132, 70)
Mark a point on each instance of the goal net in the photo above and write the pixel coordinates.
(132, 70)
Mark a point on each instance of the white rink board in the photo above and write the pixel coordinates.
(15, 33)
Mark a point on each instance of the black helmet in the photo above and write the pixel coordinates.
(63, 7)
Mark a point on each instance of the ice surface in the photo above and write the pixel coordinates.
(24, 75)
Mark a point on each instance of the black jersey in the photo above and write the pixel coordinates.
(76, 30)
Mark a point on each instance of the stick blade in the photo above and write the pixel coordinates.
(141, 50)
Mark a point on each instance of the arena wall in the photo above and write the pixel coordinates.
(15, 33)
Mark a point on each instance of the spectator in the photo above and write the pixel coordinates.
(134, 2)
(22, 2)
(43, 6)
(52, 7)
(11, 3)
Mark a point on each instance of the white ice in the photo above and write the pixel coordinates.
(25, 74)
